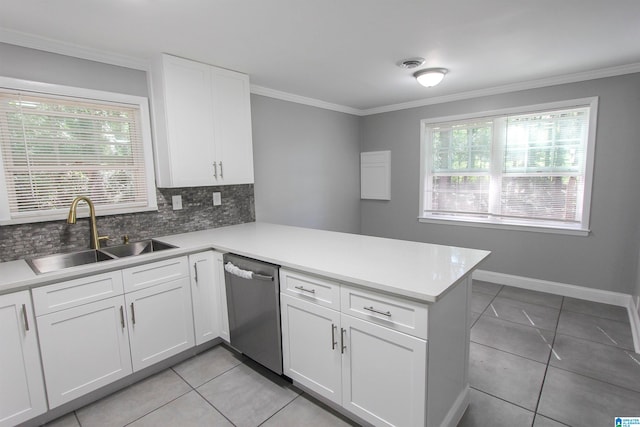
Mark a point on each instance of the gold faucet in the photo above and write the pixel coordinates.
(93, 229)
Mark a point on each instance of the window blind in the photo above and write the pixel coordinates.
(525, 169)
(55, 148)
(543, 170)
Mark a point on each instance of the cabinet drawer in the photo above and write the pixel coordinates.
(72, 293)
(310, 288)
(405, 316)
(147, 275)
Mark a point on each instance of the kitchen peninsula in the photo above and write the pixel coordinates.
(379, 332)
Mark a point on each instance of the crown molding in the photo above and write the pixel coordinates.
(70, 49)
(514, 87)
(286, 96)
(78, 51)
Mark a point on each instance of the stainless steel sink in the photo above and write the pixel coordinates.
(136, 248)
(55, 262)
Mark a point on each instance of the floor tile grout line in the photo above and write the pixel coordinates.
(546, 368)
(597, 379)
(503, 399)
(279, 410)
(209, 380)
(161, 406)
(517, 323)
(596, 342)
(508, 352)
(214, 407)
(529, 302)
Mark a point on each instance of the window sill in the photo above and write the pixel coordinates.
(502, 225)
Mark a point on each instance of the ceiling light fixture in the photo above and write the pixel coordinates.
(430, 77)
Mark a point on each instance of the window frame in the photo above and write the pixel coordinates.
(510, 223)
(92, 95)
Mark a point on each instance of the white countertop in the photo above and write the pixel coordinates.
(415, 270)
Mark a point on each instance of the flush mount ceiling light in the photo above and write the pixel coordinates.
(431, 76)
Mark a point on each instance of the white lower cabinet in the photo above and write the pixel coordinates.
(21, 386)
(311, 346)
(206, 295)
(93, 332)
(373, 371)
(160, 316)
(383, 374)
(84, 348)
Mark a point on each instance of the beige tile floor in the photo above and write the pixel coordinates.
(536, 360)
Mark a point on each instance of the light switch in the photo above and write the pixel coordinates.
(217, 199)
(176, 202)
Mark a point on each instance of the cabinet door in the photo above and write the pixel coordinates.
(232, 127)
(83, 348)
(160, 322)
(21, 386)
(189, 115)
(383, 374)
(205, 296)
(222, 297)
(311, 346)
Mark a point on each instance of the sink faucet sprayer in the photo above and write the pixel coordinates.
(93, 229)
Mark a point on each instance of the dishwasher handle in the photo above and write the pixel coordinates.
(245, 274)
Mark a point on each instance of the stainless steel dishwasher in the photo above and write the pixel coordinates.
(253, 289)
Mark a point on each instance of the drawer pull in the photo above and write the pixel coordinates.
(387, 313)
(303, 289)
(122, 316)
(133, 315)
(26, 317)
(333, 337)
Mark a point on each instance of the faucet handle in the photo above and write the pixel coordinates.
(125, 239)
(103, 238)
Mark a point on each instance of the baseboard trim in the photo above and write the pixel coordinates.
(573, 291)
(453, 417)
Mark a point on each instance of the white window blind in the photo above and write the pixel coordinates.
(524, 169)
(55, 148)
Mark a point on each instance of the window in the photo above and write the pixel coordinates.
(529, 167)
(69, 142)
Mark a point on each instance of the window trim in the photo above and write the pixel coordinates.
(41, 88)
(579, 229)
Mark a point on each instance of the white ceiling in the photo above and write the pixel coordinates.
(345, 52)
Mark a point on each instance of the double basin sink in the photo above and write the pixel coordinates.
(56, 262)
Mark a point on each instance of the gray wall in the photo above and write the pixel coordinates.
(37, 65)
(306, 163)
(606, 259)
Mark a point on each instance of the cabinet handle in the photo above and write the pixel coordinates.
(302, 288)
(195, 267)
(215, 170)
(387, 313)
(221, 175)
(122, 316)
(344, 347)
(26, 317)
(133, 314)
(333, 337)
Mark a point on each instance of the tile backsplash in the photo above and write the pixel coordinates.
(197, 213)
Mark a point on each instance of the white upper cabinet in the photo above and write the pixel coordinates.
(202, 121)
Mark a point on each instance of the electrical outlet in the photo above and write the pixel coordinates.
(217, 199)
(176, 202)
